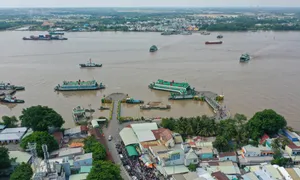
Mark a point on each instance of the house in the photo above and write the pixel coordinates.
(250, 150)
(228, 156)
(204, 153)
(77, 132)
(263, 139)
(219, 176)
(190, 158)
(83, 160)
(164, 136)
(292, 149)
(12, 135)
(226, 167)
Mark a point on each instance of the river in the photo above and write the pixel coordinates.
(269, 80)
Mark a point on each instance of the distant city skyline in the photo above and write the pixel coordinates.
(148, 3)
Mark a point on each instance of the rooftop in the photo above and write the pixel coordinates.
(14, 130)
(220, 176)
(21, 156)
(259, 149)
(224, 154)
(85, 169)
(162, 133)
(293, 146)
(159, 148)
(69, 151)
(128, 136)
(78, 176)
(75, 130)
(83, 156)
(2, 126)
(9, 137)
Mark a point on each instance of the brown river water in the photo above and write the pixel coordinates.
(269, 80)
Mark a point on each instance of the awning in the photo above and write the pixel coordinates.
(131, 151)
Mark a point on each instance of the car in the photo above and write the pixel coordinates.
(109, 137)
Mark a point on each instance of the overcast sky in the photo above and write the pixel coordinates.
(134, 3)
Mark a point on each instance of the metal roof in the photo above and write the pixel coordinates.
(144, 126)
(145, 135)
(14, 130)
(74, 130)
(128, 137)
(21, 156)
(9, 137)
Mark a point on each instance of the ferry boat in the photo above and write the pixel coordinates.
(245, 58)
(171, 86)
(90, 64)
(213, 42)
(78, 114)
(8, 86)
(79, 85)
(46, 37)
(10, 99)
(153, 48)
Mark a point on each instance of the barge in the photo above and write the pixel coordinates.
(79, 85)
(46, 37)
(155, 105)
(214, 42)
(8, 86)
(90, 64)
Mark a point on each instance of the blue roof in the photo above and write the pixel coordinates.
(2, 127)
(85, 169)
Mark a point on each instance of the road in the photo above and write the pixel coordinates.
(113, 130)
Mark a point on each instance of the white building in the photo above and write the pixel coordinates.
(14, 135)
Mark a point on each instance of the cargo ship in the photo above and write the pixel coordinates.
(171, 86)
(8, 86)
(46, 37)
(79, 85)
(90, 64)
(245, 58)
(213, 42)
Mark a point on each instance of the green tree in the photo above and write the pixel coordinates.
(266, 121)
(4, 158)
(280, 161)
(221, 144)
(40, 138)
(40, 118)
(104, 170)
(168, 123)
(10, 122)
(192, 167)
(92, 145)
(284, 141)
(22, 171)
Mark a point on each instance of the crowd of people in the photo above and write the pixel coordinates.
(135, 167)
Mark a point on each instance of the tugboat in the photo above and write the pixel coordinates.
(7, 86)
(245, 58)
(90, 64)
(78, 114)
(10, 99)
(220, 36)
(79, 85)
(153, 48)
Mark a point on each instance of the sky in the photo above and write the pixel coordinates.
(148, 3)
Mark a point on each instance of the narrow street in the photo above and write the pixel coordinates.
(113, 130)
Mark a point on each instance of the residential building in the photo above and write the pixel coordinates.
(226, 167)
(250, 176)
(77, 132)
(292, 149)
(251, 155)
(263, 139)
(67, 152)
(190, 158)
(165, 136)
(204, 153)
(290, 135)
(12, 135)
(219, 176)
(83, 160)
(228, 156)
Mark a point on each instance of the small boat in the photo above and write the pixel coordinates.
(104, 108)
(10, 99)
(90, 64)
(213, 42)
(153, 48)
(8, 86)
(245, 58)
(205, 33)
(220, 36)
(78, 114)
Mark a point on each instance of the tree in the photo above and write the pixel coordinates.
(40, 118)
(280, 161)
(104, 170)
(284, 141)
(92, 145)
(168, 123)
(221, 144)
(22, 171)
(10, 122)
(40, 138)
(4, 158)
(266, 121)
(192, 167)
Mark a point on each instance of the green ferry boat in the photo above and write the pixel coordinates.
(153, 48)
(171, 86)
(245, 58)
(79, 85)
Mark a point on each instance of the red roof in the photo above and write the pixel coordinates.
(220, 176)
(293, 146)
(58, 136)
(162, 133)
(84, 128)
(224, 154)
(263, 138)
